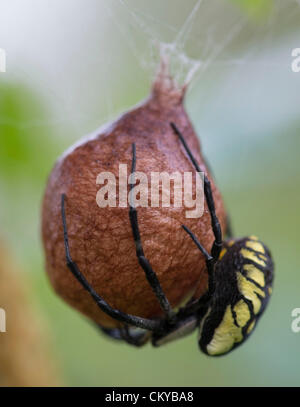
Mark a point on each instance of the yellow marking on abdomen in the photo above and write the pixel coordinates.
(225, 335)
(249, 291)
(247, 254)
(255, 274)
(261, 256)
(251, 326)
(242, 313)
(257, 246)
(223, 252)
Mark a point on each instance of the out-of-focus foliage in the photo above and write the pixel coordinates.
(255, 8)
(25, 149)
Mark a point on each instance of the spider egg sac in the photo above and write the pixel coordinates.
(101, 240)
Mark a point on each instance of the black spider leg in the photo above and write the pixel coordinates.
(218, 243)
(229, 230)
(210, 261)
(123, 334)
(114, 333)
(136, 339)
(149, 272)
(102, 304)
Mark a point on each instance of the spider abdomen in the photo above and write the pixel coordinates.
(242, 288)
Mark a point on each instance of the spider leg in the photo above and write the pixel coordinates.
(217, 245)
(114, 333)
(210, 261)
(144, 263)
(136, 339)
(123, 334)
(229, 231)
(102, 304)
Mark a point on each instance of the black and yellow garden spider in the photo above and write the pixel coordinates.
(240, 276)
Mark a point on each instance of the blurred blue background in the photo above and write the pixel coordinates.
(72, 65)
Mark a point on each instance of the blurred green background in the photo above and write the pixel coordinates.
(75, 64)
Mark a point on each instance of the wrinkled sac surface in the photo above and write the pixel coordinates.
(101, 240)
